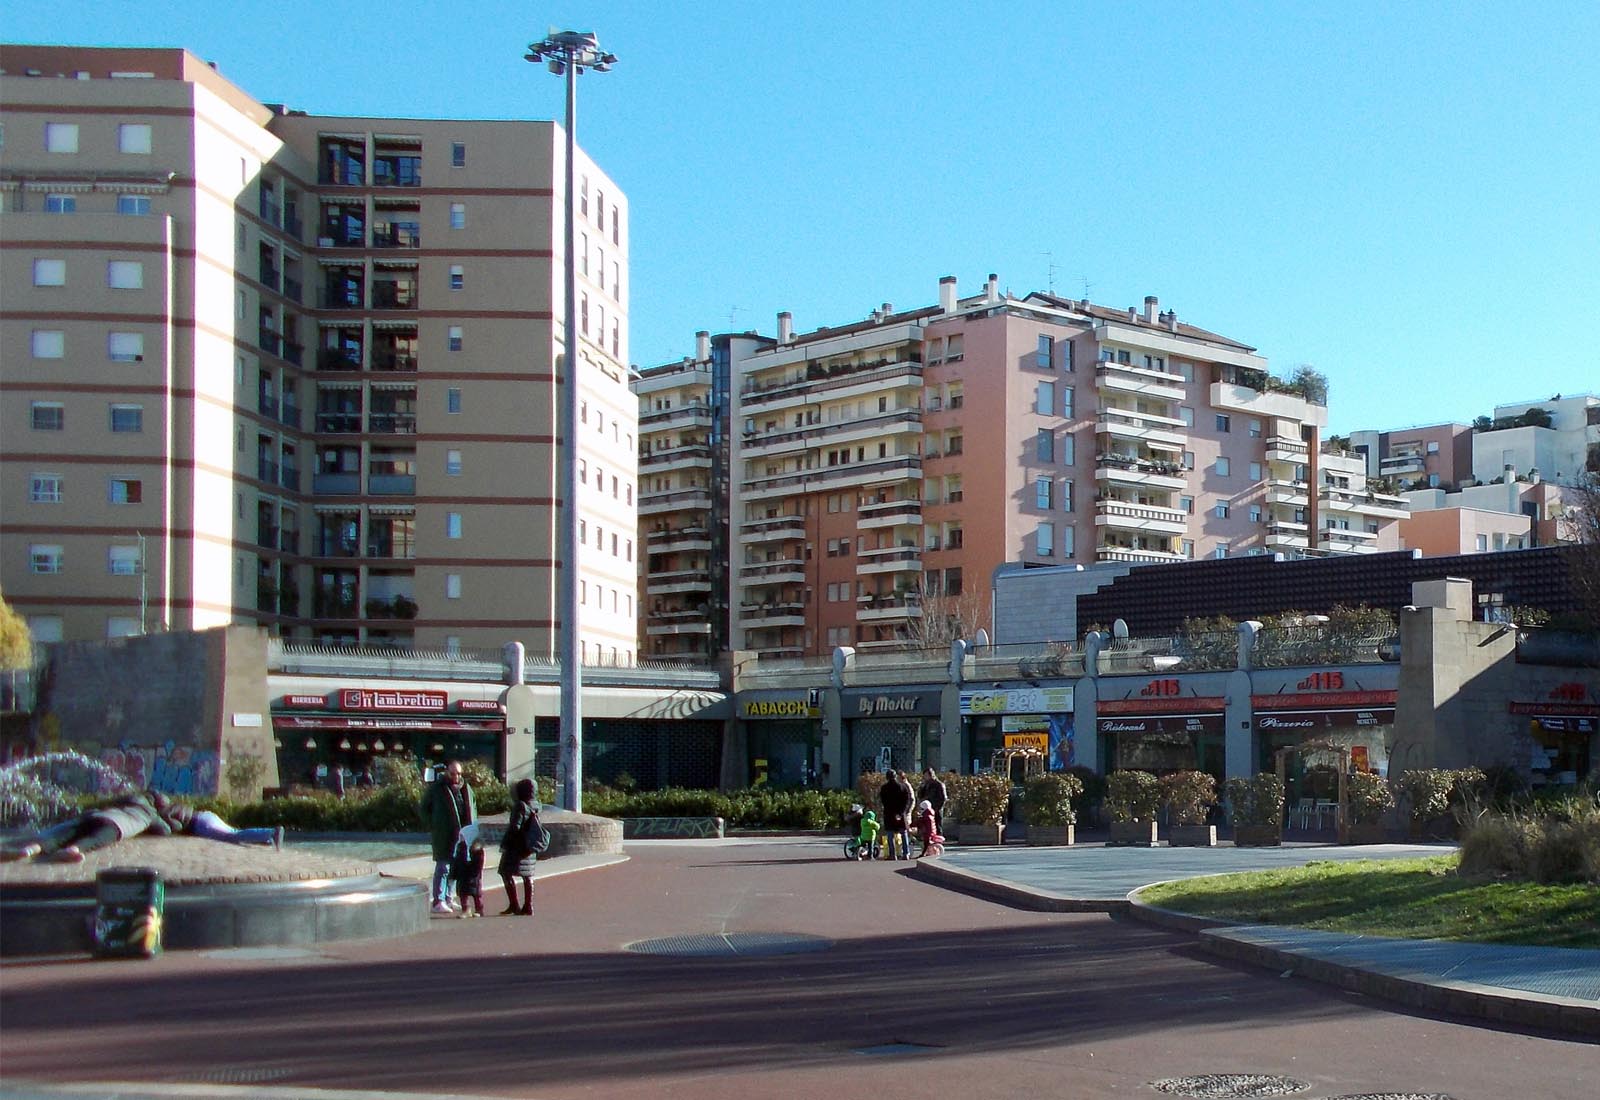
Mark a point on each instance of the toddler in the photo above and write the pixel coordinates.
(466, 870)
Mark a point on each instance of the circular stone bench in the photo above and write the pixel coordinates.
(570, 833)
(217, 895)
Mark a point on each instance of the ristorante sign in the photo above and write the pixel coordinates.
(393, 700)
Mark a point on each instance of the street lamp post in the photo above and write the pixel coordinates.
(569, 53)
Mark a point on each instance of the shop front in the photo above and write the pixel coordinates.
(1163, 735)
(1562, 739)
(889, 729)
(338, 738)
(783, 737)
(1320, 733)
(1005, 718)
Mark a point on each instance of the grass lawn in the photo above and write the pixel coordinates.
(1408, 898)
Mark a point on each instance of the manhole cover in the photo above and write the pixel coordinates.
(732, 943)
(1219, 1086)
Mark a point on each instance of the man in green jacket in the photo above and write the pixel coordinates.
(447, 808)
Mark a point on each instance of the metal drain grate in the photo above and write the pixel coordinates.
(724, 944)
(240, 1075)
(1394, 1096)
(1225, 1086)
(895, 1048)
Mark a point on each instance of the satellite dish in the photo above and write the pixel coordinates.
(1119, 629)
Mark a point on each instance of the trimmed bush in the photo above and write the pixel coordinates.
(979, 799)
(1132, 796)
(1047, 799)
(1370, 798)
(1257, 800)
(1189, 796)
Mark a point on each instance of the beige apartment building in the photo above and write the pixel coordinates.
(880, 471)
(297, 370)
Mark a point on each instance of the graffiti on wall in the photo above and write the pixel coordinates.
(169, 767)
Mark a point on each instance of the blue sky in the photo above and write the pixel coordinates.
(1406, 196)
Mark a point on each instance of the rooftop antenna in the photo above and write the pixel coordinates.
(733, 312)
(1050, 271)
(1087, 286)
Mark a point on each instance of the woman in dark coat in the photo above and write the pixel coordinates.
(517, 857)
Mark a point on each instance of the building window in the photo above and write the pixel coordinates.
(47, 559)
(600, 207)
(1044, 445)
(458, 154)
(124, 274)
(45, 489)
(123, 561)
(122, 626)
(458, 277)
(1044, 540)
(452, 525)
(125, 347)
(1041, 492)
(453, 337)
(1224, 467)
(1044, 398)
(1044, 358)
(616, 226)
(1222, 509)
(1069, 450)
(452, 463)
(49, 273)
(1220, 552)
(1188, 460)
(1433, 446)
(45, 628)
(49, 343)
(47, 416)
(452, 586)
(123, 490)
(60, 204)
(1186, 504)
(1255, 471)
(452, 400)
(133, 137)
(1224, 422)
(137, 205)
(127, 418)
(1066, 402)
(1186, 414)
(1255, 513)
(1069, 540)
(952, 582)
(1186, 548)
(1482, 544)
(458, 215)
(1255, 429)
(61, 137)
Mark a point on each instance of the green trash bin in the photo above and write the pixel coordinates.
(129, 905)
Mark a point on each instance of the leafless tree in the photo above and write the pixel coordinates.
(1580, 525)
(944, 618)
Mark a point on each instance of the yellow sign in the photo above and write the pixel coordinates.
(1040, 741)
(778, 708)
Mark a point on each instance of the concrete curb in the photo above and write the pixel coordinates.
(1497, 1005)
(970, 882)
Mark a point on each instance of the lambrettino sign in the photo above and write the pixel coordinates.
(391, 699)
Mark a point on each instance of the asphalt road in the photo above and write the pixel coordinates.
(918, 991)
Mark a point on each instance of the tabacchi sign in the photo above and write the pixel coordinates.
(408, 702)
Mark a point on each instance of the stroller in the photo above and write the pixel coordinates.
(854, 846)
(927, 831)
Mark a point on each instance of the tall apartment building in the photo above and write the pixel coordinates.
(881, 470)
(1428, 456)
(298, 370)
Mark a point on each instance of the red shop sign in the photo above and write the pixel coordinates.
(402, 700)
(305, 701)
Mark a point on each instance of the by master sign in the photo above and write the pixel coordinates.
(393, 699)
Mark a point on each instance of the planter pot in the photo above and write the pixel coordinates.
(972, 833)
(1132, 834)
(1039, 835)
(1257, 836)
(1193, 836)
(1367, 832)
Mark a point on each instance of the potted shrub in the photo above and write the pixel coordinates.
(1257, 810)
(1189, 797)
(1131, 801)
(1047, 807)
(1370, 798)
(980, 805)
(1430, 793)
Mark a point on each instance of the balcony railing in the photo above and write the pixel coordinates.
(270, 275)
(393, 361)
(392, 423)
(289, 540)
(397, 237)
(267, 405)
(341, 296)
(289, 478)
(293, 289)
(335, 359)
(267, 470)
(342, 485)
(394, 296)
(339, 423)
(392, 485)
(268, 341)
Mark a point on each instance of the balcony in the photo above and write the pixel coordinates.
(837, 382)
(1149, 428)
(1123, 469)
(888, 513)
(387, 295)
(1281, 448)
(773, 529)
(292, 352)
(392, 423)
(267, 536)
(338, 359)
(341, 295)
(404, 362)
(1260, 403)
(679, 539)
(889, 559)
(678, 501)
(657, 627)
(293, 289)
(392, 485)
(396, 236)
(1396, 465)
(1141, 381)
(810, 436)
(693, 455)
(684, 416)
(268, 340)
(778, 571)
(267, 405)
(888, 608)
(1295, 494)
(677, 581)
(390, 549)
(393, 170)
(339, 423)
(778, 614)
(1128, 516)
(1363, 503)
(270, 275)
(340, 485)
(289, 478)
(1283, 535)
(875, 472)
(1129, 554)
(266, 470)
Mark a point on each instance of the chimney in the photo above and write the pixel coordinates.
(991, 291)
(1534, 476)
(887, 309)
(1133, 315)
(702, 345)
(947, 294)
(1172, 320)
(785, 327)
(1151, 305)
